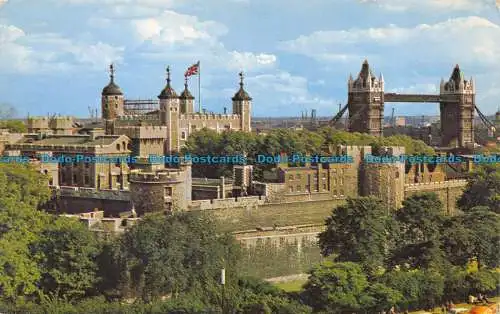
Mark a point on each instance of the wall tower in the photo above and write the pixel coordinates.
(366, 102)
(457, 110)
(242, 106)
(111, 98)
(169, 115)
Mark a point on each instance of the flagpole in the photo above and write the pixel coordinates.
(199, 87)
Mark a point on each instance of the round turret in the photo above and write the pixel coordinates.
(168, 92)
(241, 94)
(111, 89)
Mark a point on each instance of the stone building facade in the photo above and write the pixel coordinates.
(167, 128)
(94, 160)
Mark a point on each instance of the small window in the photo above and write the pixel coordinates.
(324, 186)
(74, 178)
(168, 191)
(291, 189)
(118, 146)
(183, 135)
(397, 174)
(298, 188)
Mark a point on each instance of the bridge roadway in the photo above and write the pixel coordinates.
(393, 97)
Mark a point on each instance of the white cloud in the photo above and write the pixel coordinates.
(463, 39)
(2, 2)
(171, 27)
(175, 36)
(286, 89)
(450, 5)
(35, 53)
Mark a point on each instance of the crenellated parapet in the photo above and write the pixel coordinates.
(163, 177)
(143, 132)
(160, 191)
(209, 116)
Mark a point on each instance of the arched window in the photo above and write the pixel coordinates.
(118, 146)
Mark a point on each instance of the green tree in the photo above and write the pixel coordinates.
(337, 288)
(420, 223)
(383, 297)
(420, 288)
(14, 126)
(67, 251)
(360, 232)
(22, 190)
(169, 254)
(473, 235)
(483, 189)
(484, 281)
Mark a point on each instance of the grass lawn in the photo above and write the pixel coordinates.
(291, 286)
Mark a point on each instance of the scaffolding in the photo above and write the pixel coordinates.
(140, 106)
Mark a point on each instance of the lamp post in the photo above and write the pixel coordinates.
(223, 283)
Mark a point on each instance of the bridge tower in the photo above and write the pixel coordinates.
(457, 110)
(366, 102)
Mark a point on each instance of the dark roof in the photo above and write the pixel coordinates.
(457, 75)
(185, 93)
(111, 89)
(168, 92)
(365, 73)
(241, 94)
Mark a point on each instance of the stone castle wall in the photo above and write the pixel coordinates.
(448, 192)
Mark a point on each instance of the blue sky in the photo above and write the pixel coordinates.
(297, 55)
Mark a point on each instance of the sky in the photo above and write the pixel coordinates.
(296, 55)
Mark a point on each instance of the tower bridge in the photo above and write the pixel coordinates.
(366, 99)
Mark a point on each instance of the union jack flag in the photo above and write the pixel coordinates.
(193, 70)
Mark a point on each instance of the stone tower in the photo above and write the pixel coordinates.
(366, 102)
(186, 100)
(385, 180)
(457, 110)
(242, 106)
(112, 99)
(169, 115)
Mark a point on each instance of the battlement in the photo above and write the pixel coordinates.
(138, 117)
(51, 147)
(209, 116)
(435, 185)
(353, 151)
(164, 176)
(390, 151)
(143, 132)
(92, 193)
(247, 201)
(61, 122)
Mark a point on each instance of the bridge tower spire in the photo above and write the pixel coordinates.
(366, 102)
